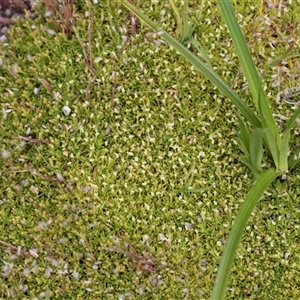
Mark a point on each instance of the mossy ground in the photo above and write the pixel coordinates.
(148, 157)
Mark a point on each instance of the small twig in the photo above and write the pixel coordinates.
(88, 59)
(133, 20)
(234, 83)
(15, 249)
(67, 17)
(132, 17)
(45, 83)
(90, 48)
(64, 9)
(51, 178)
(143, 264)
(32, 140)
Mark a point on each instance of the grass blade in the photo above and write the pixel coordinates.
(178, 19)
(256, 173)
(292, 120)
(283, 152)
(185, 30)
(244, 138)
(272, 146)
(256, 149)
(284, 148)
(188, 29)
(201, 50)
(294, 159)
(235, 235)
(245, 59)
(202, 67)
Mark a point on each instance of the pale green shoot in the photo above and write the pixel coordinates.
(185, 30)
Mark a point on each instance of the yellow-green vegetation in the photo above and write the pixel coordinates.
(132, 193)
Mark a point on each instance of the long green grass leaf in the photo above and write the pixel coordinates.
(202, 67)
(284, 162)
(292, 120)
(272, 140)
(236, 233)
(284, 147)
(272, 146)
(245, 59)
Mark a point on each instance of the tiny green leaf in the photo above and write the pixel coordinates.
(294, 159)
(256, 148)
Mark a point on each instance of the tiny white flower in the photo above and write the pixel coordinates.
(162, 237)
(66, 110)
(49, 31)
(76, 275)
(160, 31)
(188, 226)
(47, 14)
(59, 177)
(33, 252)
(48, 272)
(5, 112)
(5, 154)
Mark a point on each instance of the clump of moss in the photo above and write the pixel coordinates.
(144, 163)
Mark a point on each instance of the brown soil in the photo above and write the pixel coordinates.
(12, 8)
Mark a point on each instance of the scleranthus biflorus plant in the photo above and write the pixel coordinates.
(258, 135)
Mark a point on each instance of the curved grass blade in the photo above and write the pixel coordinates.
(179, 21)
(272, 139)
(188, 29)
(236, 232)
(281, 185)
(294, 159)
(201, 50)
(272, 146)
(202, 67)
(245, 59)
(185, 30)
(284, 148)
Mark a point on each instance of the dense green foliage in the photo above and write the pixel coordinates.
(147, 157)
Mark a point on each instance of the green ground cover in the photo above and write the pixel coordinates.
(132, 195)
